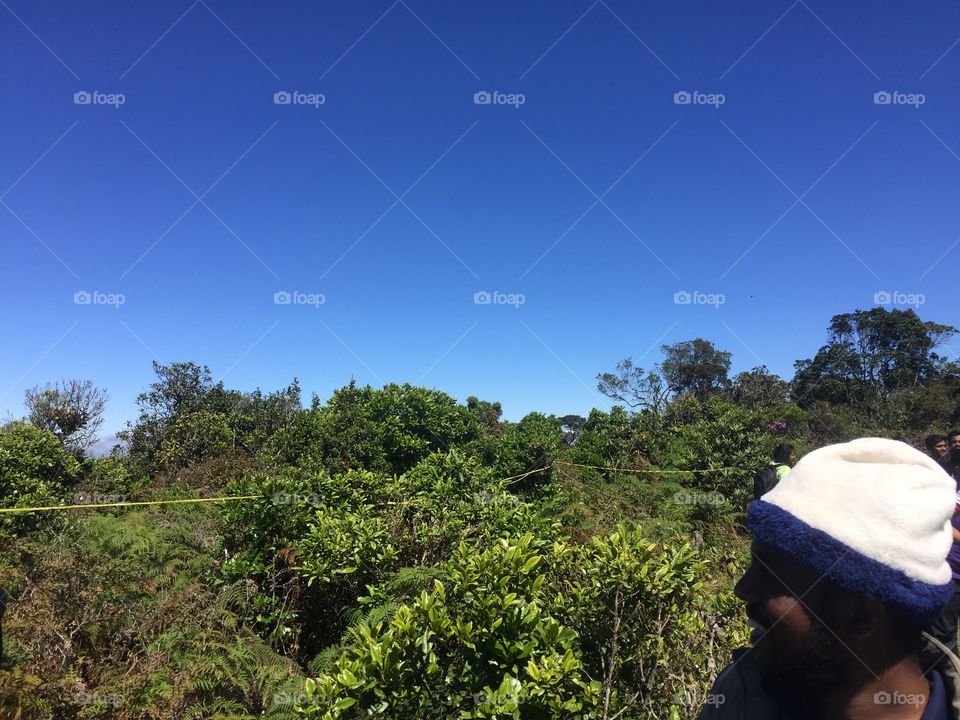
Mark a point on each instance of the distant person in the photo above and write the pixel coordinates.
(848, 566)
(953, 439)
(767, 478)
(944, 628)
(936, 446)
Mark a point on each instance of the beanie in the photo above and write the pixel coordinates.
(871, 515)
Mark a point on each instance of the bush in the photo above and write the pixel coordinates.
(34, 470)
(528, 629)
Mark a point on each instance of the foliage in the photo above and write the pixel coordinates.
(388, 430)
(35, 470)
(869, 355)
(695, 367)
(128, 627)
(529, 629)
(186, 418)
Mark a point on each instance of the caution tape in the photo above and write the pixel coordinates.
(88, 506)
(658, 471)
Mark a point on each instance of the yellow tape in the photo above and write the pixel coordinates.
(255, 497)
(645, 470)
(127, 504)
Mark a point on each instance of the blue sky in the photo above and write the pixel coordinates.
(587, 188)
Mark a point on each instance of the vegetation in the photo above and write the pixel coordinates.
(406, 555)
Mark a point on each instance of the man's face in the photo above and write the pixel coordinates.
(798, 656)
(955, 442)
(941, 447)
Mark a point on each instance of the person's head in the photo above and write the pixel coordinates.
(848, 565)
(818, 637)
(936, 445)
(783, 453)
(953, 439)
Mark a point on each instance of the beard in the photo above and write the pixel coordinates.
(799, 671)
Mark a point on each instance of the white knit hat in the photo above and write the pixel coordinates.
(872, 515)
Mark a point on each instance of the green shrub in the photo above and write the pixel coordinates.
(35, 470)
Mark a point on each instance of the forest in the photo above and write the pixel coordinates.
(393, 552)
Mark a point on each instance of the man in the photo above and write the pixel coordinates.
(767, 478)
(953, 440)
(944, 628)
(937, 446)
(849, 565)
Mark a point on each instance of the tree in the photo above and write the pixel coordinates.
(70, 409)
(487, 412)
(759, 388)
(35, 469)
(572, 425)
(869, 355)
(634, 386)
(695, 367)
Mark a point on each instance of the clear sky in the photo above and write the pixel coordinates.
(628, 152)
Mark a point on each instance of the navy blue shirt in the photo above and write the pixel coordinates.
(937, 704)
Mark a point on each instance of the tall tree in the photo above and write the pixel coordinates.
(695, 367)
(637, 388)
(759, 388)
(70, 409)
(870, 354)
